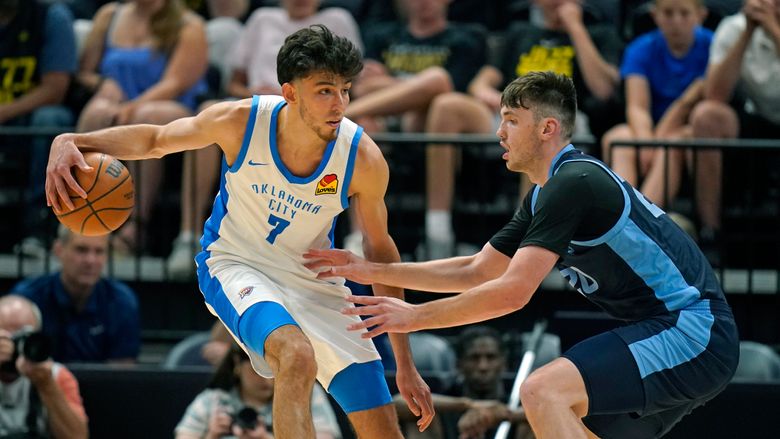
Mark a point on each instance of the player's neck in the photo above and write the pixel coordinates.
(300, 148)
(540, 172)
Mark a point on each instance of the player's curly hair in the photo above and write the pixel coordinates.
(317, 49)
(546, 94)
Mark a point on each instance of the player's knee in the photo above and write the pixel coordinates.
(537, 393)
(299, 356)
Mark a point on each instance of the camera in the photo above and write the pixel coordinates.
(34, 345)
(245, 418)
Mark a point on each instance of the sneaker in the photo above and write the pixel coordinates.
(31, 248)
(181, 262)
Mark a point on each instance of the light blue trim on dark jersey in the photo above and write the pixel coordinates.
(534, 197)
(250, 128)
(654, 267)
(654, 210)
(353, 148)
(291, 178)
(614, 230)
(557, 157)
(675, 346)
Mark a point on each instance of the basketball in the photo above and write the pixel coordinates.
(110, 197)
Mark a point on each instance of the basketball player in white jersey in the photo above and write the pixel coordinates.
(291, 164)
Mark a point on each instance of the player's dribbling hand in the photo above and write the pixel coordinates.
(339, 263)
(63, 155)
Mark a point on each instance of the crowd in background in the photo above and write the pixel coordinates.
(644, 70)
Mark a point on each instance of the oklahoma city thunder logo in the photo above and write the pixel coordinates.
(245, 292)
(329, 184)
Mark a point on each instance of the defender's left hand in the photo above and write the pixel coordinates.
(388, 315)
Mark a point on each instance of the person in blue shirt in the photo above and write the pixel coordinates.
(90, 319)
(37, 59)
(678, 347)
(662, 71)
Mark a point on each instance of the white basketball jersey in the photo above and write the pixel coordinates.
(265, 216)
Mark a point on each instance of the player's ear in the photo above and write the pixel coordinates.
(289, 93)
(550, 126)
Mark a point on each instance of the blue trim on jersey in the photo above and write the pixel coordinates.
(654, 267)
(612, 232)
(652, 208)
(218, 212)
(557, 157)
(250, 128)
(350, 167)
(674, 346)
(291, 178)
(360, 386)
(534, 197)
(215, 295)
(332, 233)
(259, 321)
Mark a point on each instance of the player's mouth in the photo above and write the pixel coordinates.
(505, 155)
(334, 123)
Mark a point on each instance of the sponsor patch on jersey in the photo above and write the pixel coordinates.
(245, 292)
(329, 184)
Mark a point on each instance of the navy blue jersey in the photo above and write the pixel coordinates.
(616, 248)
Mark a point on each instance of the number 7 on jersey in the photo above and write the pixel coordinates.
(279, 225)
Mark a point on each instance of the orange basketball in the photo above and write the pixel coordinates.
(110, 197)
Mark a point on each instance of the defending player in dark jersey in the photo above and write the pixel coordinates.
(679, 347)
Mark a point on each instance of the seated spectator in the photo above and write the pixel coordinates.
(40, 399)
(662, 71)
(476, 403)
(218, 345)
(89, 318)
(407, 65)
(744, 60)
(149, 59)
(37, 57)
(235, 387)
(252, 64)
(561, 43)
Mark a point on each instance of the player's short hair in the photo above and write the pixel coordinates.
(317, 49)
(545, 94)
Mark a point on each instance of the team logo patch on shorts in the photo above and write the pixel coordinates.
(245, 292)
(329, 184)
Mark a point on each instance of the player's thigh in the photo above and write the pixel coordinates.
(376, 423)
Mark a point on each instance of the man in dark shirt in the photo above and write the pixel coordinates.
(679, 347)
(91, 319)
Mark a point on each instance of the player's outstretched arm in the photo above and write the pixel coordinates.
(222, 124)
(495, 298)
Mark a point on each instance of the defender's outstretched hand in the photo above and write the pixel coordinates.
(340, 263)
(63, 155)
(388, 315)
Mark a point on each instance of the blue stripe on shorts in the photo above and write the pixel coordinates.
(360, 386)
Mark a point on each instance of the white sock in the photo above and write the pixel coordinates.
(438, 225)
(186, 236)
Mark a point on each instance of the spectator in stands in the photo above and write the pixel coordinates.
(89, 318)
(236, 386)
(218, 345)
(252, 64)
(39, 399)
(476, 403)
(662, 71)
(563, 44)
(742, 96)
(37, 57)
(149, 57)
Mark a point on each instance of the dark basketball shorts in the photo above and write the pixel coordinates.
(643, 378)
